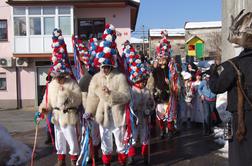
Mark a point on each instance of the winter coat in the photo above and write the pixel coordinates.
(205, 90)
(142, 102)
(150, 83)
(108, 109)
(225, 79)
(160, 84)
(63, 100)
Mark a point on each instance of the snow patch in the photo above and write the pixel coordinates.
(19, 152)
(218, 134)
(207, 24)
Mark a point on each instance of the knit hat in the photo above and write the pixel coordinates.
(164, 48)
(137, 70)
(186, 75)
(106, 51)
(61, 64)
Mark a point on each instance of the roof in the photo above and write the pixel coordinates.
(171, 32)
(89, 1)
(192, 37)
(138, 40)
(88, 4)
(199, 25)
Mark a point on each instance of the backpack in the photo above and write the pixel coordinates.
(241, 29)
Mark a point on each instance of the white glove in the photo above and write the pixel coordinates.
(87, 116)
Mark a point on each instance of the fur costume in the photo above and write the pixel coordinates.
(99, 103)
(62, 97)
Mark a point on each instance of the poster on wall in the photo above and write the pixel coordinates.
(42, 74)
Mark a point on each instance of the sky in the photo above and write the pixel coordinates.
(174, 13)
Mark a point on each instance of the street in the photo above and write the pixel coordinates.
(188, 147)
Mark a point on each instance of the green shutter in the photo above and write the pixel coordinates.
(199, 50)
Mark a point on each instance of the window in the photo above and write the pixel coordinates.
(19, 11)
(38, 20)
(64, 10)
(49, 10)
(91, 27)
(191, 47)
(49, 25)
(35, 25)
(3, 81)
(20, 26)
(3, 30)
(65, 25)
(34, 11)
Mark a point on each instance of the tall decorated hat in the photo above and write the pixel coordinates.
(60, 60)
(163, 50)
(86, 51)
(106, 51)
(137, 70)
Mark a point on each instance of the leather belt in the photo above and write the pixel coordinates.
(65, 110)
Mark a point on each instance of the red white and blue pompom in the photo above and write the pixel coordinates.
(106, 51)
(60, 61)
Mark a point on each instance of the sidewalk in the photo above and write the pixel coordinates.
(20, 125)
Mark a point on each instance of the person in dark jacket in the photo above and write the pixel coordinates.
(223, 78)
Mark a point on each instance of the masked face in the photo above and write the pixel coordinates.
(141, 84)
(162, 62)
(106, 69)
(61, 79)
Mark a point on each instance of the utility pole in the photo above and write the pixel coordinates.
(143, 40)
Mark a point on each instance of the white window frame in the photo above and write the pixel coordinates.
(56, 17)
(42, 16)
(3, 75)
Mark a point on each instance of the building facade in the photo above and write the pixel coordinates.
(25, 42)
(231, 7)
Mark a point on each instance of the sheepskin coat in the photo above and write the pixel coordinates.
(108, 109)
(142, 102)
(63, 100)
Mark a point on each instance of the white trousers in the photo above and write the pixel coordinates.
(142, 130)
(66, 135)
(107, 139)
(95, 133)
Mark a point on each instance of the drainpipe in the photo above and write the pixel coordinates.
(19, 104)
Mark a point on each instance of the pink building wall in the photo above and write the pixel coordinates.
(5, 46)
(9, 95)
(119, 17)
(27, 79)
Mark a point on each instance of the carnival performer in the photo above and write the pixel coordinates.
(142, 102)
(107, 95)
(161, 81)
(175, 92)
(62, 97)
(86, 53)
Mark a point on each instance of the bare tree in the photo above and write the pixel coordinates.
(214, 43)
